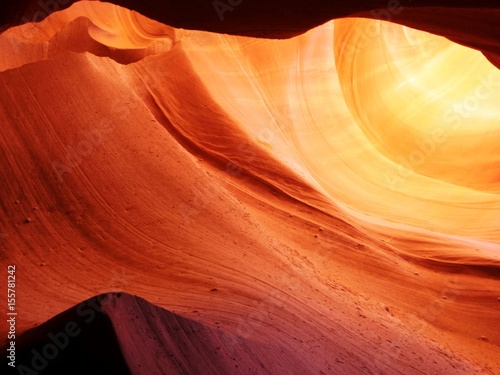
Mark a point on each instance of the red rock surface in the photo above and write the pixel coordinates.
(266, 192)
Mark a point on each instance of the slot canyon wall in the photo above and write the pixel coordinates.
(241, 187)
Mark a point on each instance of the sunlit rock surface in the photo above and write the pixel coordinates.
(335, 193)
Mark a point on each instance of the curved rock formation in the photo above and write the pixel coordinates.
(122, 334)
(330, 200)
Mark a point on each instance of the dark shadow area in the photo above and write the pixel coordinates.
(79, 341)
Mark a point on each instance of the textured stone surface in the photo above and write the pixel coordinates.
(327, 203)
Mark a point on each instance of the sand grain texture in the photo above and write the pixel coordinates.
(257, 201)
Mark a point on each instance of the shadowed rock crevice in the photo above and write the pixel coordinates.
(117, 333)
(79, 341)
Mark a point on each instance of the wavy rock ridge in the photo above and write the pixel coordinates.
(291, 192)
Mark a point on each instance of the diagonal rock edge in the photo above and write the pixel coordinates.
(472, 23)
(118, 333)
